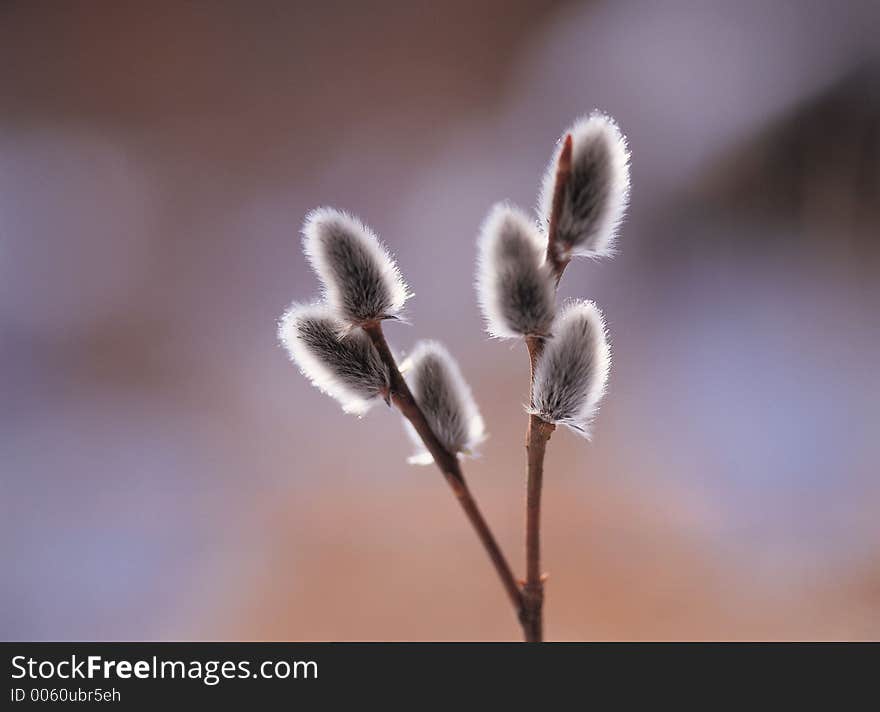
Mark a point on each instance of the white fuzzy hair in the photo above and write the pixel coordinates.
(597, 191)
(360, 278)
(572, 370)
(445, 399)
(338, 359)
(516, 288)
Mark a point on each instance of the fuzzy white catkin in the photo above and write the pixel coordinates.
(338, 359)
(516, 288)
(572, 370)
(446, 400)
(597, 189)
(360, 279)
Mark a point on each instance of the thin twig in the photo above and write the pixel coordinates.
(539, 431)
(537, 436)
(449, 465)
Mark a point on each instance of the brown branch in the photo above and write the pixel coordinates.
(539, 431)
(537, 436)
(449, 465)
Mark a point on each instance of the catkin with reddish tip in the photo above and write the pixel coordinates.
(596, 189)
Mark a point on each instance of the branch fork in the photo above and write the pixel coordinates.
(339, 343)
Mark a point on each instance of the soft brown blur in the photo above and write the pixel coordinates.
(167, 474)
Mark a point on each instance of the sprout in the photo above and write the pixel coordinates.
(338, 359)
(515, 285)
(596, 188)
(361, 281)
(444, 398)
(572, 370)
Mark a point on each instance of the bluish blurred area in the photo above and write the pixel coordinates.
(165, 473)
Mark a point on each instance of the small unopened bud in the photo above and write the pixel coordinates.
(572, 370)
(361, 281)
(596, 188)
(515, 285)
(446, 400)
(338, 359)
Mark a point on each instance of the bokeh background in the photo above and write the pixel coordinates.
(167, 474)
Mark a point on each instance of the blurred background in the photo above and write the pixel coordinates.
(165, 472)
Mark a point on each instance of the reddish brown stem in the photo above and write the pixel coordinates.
(449, 465)
(537, 436)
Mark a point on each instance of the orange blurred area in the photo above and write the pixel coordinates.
(167, 474)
